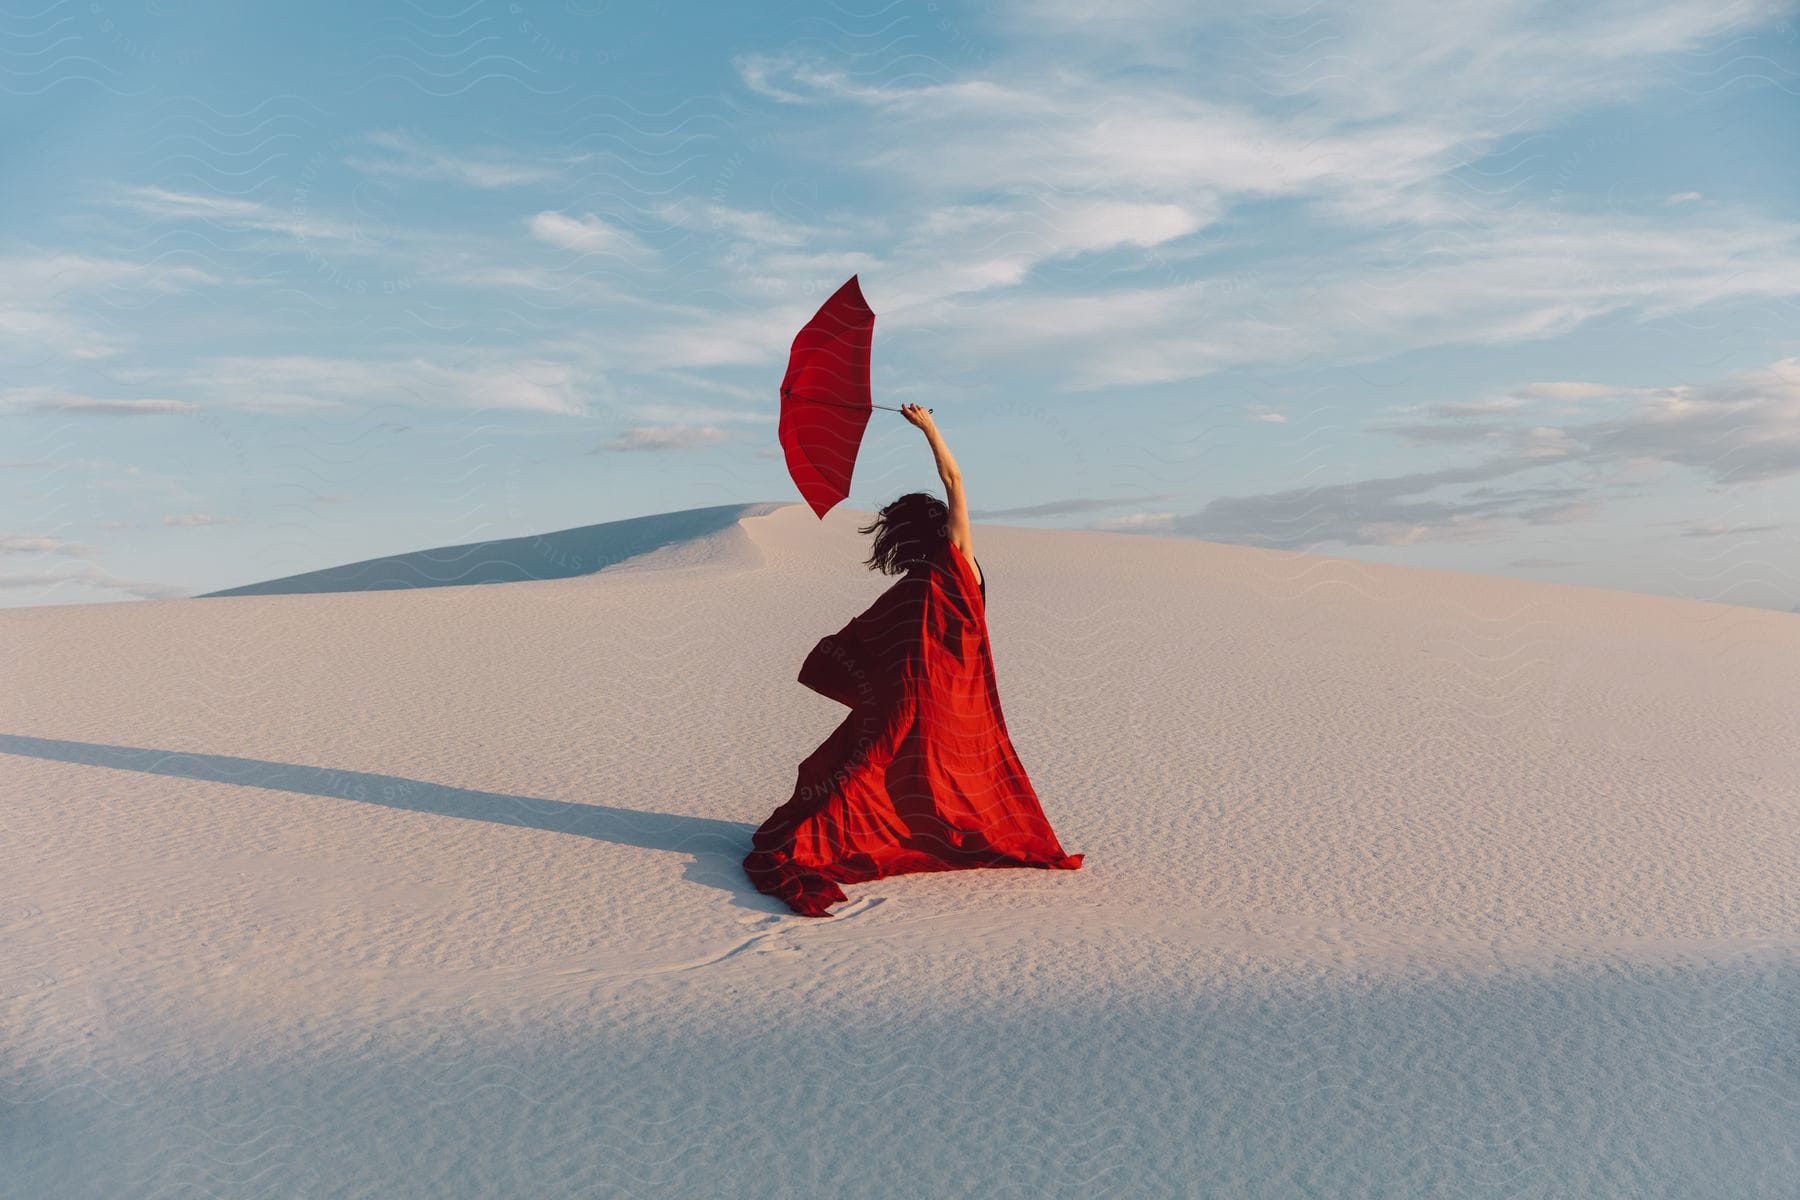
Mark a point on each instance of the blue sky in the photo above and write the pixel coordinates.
(1507, 288)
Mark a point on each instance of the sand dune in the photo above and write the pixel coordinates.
(1398, 882)
(559, 555)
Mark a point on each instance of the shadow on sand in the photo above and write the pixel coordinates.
(717, 847)
(559, 555)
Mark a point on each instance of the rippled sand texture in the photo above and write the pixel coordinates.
(1398, 882)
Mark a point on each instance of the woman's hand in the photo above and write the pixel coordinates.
(919, 416)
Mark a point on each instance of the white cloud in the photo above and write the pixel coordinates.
(1712, 529)
(758, 73)
(192, 520)
(957, 249)
(1366, 60)
(1070, 132)
(1369, 115)
(49, 400)
(1742, 429)
(38, 332)
(701, 413)
(43, 298)
(1479, 408)
(1393, 510)
(1511, 280)
(134, 479)
(302, 382)
(1567, 391)
(760, 227)
(18, 543)
(588, 234)
(1563, 513)
(737, 391)
(1544, 441)
(77, 274)
(233, 215)
(694, 337)
(409, 157)
(668, 437)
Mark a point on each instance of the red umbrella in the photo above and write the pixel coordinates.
(825, 397)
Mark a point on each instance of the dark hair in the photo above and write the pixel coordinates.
(907, 532)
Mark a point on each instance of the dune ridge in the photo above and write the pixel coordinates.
(562, 554)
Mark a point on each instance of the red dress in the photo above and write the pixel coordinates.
(921, 775)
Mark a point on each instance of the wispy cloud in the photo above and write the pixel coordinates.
(1386, 511)
(1737, 430)
(407, 156)
(1742, 429)
(1512, 280)
(45, 333)
(588, 234)
(1713, 529)
(1571, 391)
(49, 400)
(1463, 69)
(740, 224)
(697, 338)
(687, 414)
(1369, 117)
(283, 383)
(231, 214)
(130, 479)
(194, 520)
(664, 437)
(19, 543)
(59, 275)
(45, 298)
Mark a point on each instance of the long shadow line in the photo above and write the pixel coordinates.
(719, 843)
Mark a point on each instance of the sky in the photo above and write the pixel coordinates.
(1510, 288)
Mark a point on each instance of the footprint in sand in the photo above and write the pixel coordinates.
(771, 928)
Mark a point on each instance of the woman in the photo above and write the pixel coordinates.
(921, 775)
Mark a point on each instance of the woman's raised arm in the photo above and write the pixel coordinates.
(951, 475)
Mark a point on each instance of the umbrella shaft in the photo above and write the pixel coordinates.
(841, 404)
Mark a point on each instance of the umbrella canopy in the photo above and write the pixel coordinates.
(825, 397)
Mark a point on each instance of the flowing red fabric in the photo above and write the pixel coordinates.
(921, 776)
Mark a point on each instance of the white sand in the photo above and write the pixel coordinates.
(1397, 882)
